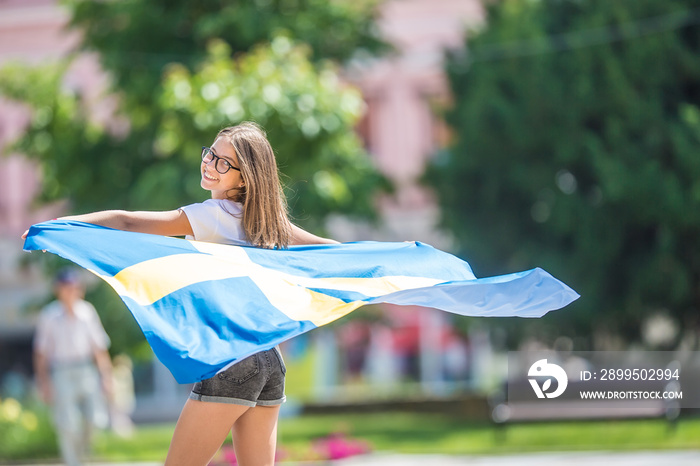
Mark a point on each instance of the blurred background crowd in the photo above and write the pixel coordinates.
(562, 134)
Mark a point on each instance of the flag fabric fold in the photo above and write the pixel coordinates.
(205, 306)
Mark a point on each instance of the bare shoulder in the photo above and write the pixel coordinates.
(301, 236)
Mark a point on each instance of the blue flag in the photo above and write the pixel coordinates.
(205, 306)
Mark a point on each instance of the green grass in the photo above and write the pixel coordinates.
(148, 443)
(426, 433)
(416, 433)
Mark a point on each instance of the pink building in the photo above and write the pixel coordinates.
(402, 132)
(400, 129)
(401, 90)
(30, 31)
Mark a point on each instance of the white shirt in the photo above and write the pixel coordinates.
(216, 221)
(65, 338)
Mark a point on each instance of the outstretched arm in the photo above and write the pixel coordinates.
(300, 236)
(167, 223)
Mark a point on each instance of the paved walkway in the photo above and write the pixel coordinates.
(636, 458)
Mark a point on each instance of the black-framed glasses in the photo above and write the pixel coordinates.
(221, 165)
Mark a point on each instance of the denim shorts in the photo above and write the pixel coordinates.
(257, 380)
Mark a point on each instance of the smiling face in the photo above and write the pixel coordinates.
(222, 185)
(257, 187)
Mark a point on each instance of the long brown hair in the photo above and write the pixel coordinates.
(265, 219)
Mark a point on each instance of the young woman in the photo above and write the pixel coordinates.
(247, 204)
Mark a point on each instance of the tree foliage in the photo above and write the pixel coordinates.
(576, 136)
(183, 70)
(138, 42)
(307, 113)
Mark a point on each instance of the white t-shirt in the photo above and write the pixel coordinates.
(216, 221)
(65, 338)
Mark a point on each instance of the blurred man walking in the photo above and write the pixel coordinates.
(73, 368)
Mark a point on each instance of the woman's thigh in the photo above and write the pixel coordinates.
(200, 431)
(255, 436)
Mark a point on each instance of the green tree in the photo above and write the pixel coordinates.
(137, 40)
(576, 131)
(136, 43)
(307, 112)
(183, 70)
